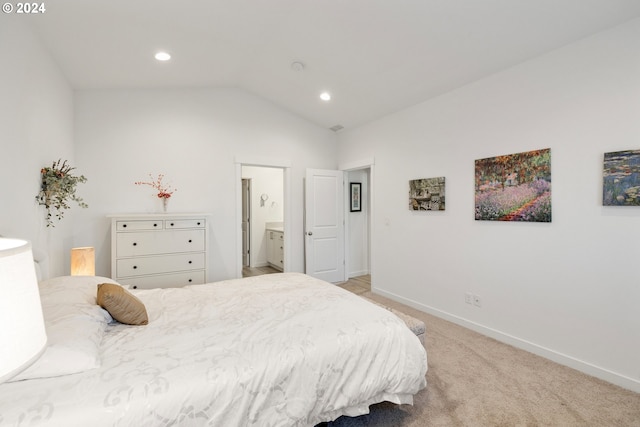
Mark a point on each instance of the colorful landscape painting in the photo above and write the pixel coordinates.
(515, 187)
(426, 194)
(621, 183)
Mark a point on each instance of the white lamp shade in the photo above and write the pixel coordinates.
(83, 261)
(22, 332)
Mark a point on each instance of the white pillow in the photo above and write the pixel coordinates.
(75, 325)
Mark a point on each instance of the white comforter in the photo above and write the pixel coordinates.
(275, 350)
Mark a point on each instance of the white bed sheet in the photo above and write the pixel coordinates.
(275, 350)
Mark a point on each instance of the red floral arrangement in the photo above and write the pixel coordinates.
(164, 191)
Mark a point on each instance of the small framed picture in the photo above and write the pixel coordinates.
(356, 196)
(621, 184)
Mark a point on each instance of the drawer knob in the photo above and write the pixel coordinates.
(124, 225)
(172, 224)
(135, 244)
(135, 267)
(190, 262)
(190, 240)
(198, 223)
(135, 286)
(155, 225)
(190, 280)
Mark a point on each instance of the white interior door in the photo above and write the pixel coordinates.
(324, 225)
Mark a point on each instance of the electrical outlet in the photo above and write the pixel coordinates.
(477, 301)
(468, 298)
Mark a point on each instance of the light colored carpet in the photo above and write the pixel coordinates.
(474, 381)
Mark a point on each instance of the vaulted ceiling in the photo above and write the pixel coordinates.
(375, 57)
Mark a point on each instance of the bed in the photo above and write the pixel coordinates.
(276, 350)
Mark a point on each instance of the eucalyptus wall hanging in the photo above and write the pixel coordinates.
(57, 189)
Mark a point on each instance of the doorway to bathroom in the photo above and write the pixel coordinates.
(262, 220)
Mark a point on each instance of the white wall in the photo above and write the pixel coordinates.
(568, 290)
(269, 181)
(36, 128)
(194, 137)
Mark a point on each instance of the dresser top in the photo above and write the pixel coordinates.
(160, 215)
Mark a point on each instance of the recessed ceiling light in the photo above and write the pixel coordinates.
(163, 56)
(325, 96)
(297, 66)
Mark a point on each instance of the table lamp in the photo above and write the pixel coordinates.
(83, 261)
(22, 333)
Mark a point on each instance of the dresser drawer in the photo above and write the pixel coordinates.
(159, 264)
(165, 280)
(145, 243)
(138, 225)
(171, 224)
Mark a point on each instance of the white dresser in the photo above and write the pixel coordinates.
(159, 250)
(275, 248)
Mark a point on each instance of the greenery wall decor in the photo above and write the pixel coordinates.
(57, 189)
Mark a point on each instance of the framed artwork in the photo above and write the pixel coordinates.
(621, 180)
(356, 197)
(514, 187)
(426, 194)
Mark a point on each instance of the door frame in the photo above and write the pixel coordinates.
(368, 163)
(247, 240)
(283, 164)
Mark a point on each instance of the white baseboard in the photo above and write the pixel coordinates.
(563, 359)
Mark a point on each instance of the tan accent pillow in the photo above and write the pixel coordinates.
(121, 304)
